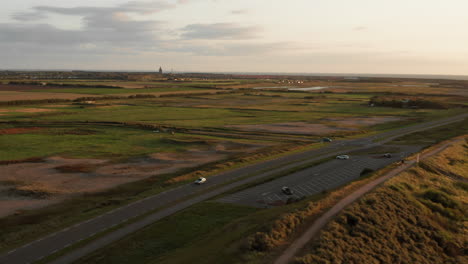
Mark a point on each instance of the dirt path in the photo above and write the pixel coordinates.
(322, 221)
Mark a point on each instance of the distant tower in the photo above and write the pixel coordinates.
(160, 70)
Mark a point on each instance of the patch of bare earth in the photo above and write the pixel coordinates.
(33, 185)
(26, 110)
(26, 87)
(332, 125)
(362, 121)
(293, 128)
(18, 130)
(19, 95)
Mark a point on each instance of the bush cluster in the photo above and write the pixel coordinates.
(405, 102)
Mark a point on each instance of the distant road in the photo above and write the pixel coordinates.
(321, 222)
(223, 182)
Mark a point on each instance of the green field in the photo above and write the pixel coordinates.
(76, 129)
(109, 91)
(194, 227)
(92, 142)
(221, 112)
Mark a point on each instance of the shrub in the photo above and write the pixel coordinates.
(440, 198)
(366, 171)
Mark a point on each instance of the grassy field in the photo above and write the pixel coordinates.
(433, 135)
(93, 142)
(182, 230)
(111, 91)
(222, 110)
(56, 131)
(423, 209)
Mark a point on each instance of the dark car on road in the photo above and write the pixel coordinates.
(327, 140)
(287, 191)
(387, 155)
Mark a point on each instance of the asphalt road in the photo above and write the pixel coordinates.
(48, 245)
(326, 176)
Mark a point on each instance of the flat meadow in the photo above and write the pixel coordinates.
(73, 143)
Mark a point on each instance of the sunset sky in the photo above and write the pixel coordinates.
(307, 36)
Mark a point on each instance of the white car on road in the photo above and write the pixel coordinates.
(200, 180)
(342, 157)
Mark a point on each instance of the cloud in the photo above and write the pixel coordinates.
(108, 33)
(112, 26)
(226, 49)
(141, 8)
(360, 28)
(240, 12)
(29, 16)
(219, 31)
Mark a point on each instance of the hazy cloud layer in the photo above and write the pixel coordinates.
(240, 11)
(349, 36)
(110, 25)
(219, 31)
(114, 28)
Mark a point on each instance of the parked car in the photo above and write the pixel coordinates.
(200, 180)
(286, 190)
(327, 140)
(387, 155)
(342, 157)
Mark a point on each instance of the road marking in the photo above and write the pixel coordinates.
(311, 186)
(304, 190)
(11, 251)
(307, 187)
(295, 189)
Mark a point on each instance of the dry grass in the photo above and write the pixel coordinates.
(417, 217)
(291, 223)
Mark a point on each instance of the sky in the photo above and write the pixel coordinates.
(297, 36)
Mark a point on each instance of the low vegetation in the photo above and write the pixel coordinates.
(417, 217)
(121, 118)
(409, 102)
(433, 135)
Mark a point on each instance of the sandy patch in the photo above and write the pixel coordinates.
(332, 125)
(362, 121)
(160, 163)
(34, 185)
(294, 128)
(26, 110)
(57, 106)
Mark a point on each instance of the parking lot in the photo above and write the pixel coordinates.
(313, 180)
